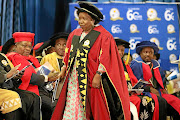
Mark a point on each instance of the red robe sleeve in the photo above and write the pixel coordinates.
(110, 59)
(17, 59)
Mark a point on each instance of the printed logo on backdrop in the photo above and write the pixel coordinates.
(133, 29)
(172, 57)
(116, 29)
(133, 14)
(135, 55)
(115, 14)
(152, 15)
(76, 15)
(171, 44)
(152, 29)
(170, 29)
(156, 41)
(169, 14)
(134, 41)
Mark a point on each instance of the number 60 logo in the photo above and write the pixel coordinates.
(133, 43)
(171, 45)
(169, 15)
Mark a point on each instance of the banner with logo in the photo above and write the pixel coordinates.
(141, 22)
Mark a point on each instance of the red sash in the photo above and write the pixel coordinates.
(147, 75)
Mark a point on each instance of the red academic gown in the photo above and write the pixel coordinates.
(136, 100)
(17, 59)
(142, 71)
(171, 99)
(103, 51)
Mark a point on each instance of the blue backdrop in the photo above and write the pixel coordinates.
(138, 22)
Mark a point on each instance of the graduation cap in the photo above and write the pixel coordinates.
(143, 44)
(125, 44)
(91, 9)
(24, 36)
(57, 36)
(7, 45)
(40, 46)
(121, 42)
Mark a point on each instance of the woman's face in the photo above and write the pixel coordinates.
(24, 48)
(121, 49)
(60, 46)
(85, 21)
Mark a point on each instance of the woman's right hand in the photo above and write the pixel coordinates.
(96, 83)
(13, 71)
(62, 73)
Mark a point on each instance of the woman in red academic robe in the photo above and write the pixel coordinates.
(90, 52)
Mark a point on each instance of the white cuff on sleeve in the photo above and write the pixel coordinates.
(46, 78)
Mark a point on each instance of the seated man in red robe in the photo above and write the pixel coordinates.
(143, 103)
(24, 42)
(146, 68)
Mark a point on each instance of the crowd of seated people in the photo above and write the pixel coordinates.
(152, 103)
(35, 101)
(82, 82)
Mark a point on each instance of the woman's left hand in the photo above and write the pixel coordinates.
(96, 81)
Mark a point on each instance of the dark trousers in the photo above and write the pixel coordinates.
(173, 113)
(162, 108)
(30, 105)
(47, 106)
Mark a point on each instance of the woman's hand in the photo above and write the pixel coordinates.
(53, 75)
(13, 71)
(96, 81)
(62, 73)
(19, 76)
